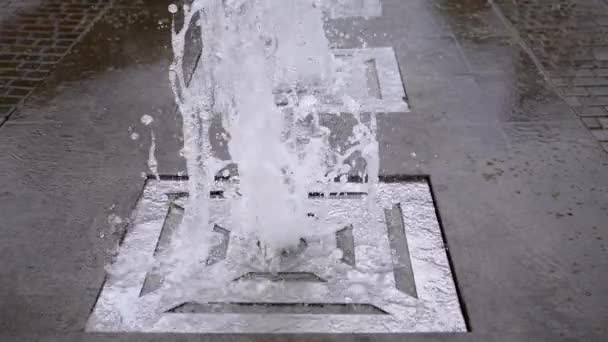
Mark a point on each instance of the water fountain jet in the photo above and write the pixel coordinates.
(253, 51)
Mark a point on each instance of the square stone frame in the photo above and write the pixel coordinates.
(419, 295)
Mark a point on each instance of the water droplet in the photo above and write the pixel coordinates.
(146, 119)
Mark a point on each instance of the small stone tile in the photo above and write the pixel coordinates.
(29, 58)
(29, 66)
(561, 82)
(5, 110)
(594, 100)
(590, 81)
(583, 73)
(7, 57)
(44, 35)
(18, 92)
(51, 58)
(55, 50)
(603, 122)
(602, 21)
(592, 123)
(14, 34)
(601, 53)
(572, 101)
(9, 73)
(45, 42)
(8, 40)
(9, 65)
(600, 134)
(597, 90)
(591, 111)
(24, 84)
(574, 91)
(9, 100)
(64, 42)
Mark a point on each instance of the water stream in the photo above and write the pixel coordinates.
(265, 68)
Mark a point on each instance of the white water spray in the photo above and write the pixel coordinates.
(254, 51)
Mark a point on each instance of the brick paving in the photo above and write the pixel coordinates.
(569, 41)
(8, 8)
(34, 39)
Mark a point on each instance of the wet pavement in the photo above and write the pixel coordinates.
(568, 43)
(512, 151)
(34, 37)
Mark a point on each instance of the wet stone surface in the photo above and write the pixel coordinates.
(569, 39)
(520, 184)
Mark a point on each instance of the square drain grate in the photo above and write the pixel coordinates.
(371, 269)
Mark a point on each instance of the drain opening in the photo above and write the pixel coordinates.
(278, 308)
(345, 241)
(212, 194)
(400, 254)
(337, 195)
(282, 276)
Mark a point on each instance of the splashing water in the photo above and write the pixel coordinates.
(253, 52)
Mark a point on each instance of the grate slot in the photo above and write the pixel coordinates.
(282, 276)
(278, 308)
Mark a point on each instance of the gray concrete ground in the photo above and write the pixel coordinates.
(520, 181)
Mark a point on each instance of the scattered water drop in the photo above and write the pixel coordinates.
(146, 119)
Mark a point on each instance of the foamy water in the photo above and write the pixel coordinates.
(253, 53)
